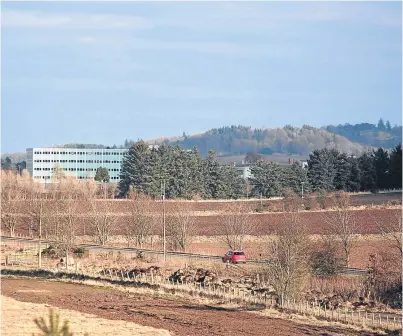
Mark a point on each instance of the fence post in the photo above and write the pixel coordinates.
(373, 319)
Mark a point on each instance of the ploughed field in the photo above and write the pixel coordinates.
(178, 316)
(264, 223)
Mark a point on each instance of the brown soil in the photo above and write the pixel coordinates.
(178, 316)
(18, 319)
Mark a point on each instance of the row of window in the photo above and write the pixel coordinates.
(80, 153)
(80, 177)
(79, 161)
(77, 169)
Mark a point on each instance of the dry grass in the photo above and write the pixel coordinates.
(312, 320)
(18, 319)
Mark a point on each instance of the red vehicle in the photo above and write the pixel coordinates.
(234, 257)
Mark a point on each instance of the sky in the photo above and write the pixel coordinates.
(99, 72)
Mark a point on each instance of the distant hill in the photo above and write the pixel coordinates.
(239, 140)
(380, 135)
(231, 143)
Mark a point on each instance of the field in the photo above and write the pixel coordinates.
(122, 309)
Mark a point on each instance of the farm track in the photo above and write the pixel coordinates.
(181, 317)
(194, 256)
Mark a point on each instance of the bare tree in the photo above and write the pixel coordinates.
(11, 196)
(103, 221)
(180, 225)
(237, 225)
(341, 223)
(288, 267)
(391, 229)
(142, 220)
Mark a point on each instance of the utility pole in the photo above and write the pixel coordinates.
(40, 237)
(163, 218)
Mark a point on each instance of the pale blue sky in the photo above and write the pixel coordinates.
(98, 72)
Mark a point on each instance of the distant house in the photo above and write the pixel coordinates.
(244, 171)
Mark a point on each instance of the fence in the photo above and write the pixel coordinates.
(238, 295)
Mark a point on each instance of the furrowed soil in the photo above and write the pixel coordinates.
(179, 317)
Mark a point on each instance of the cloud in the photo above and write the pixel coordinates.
(37, 19)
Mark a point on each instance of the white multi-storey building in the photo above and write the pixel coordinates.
(78, 162)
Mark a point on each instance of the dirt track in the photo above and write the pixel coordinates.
(179, 317)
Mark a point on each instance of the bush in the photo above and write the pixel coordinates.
(51, 252)
(321, 197)
(325, 262)
(80, 251)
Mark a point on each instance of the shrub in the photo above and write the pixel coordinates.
(321, 197)
(80, 251)
(325, 262)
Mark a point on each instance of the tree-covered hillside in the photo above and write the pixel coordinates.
(380, 135)
(237, 140)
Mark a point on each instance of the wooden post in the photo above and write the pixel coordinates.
(40, 239)
(373, 319)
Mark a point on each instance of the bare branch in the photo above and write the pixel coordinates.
(237, 225)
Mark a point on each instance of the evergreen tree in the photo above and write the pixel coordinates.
(321, 169)
(268, 179)
(395, 167)
(6, 163)
(388, 126)
(342, 172)
(196, 171)
(102, 175)
(298, 176)
(381, 125)
(381, 162)
(135, 169)
(368, 173)
(211, 175)
(354, 178)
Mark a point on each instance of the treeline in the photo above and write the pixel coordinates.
(330, 170)
(238, 140)
(379, 135)
(184, 173)
(8, 164)
(188, 175)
